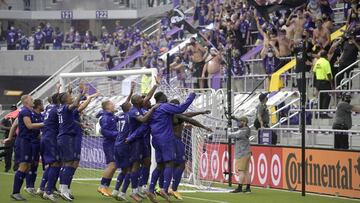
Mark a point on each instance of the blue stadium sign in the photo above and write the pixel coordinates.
(28, 57)
(67, 15)
(101, 14)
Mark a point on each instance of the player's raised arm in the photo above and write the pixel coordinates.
(76, 102)
(177, 109)
(153, 89)
(87, 101)
(196, 113)
(192, 122)
(145, 118)
(132, 90)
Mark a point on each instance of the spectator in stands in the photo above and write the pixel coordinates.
(212, 69)
(321, 36)
(263, 118)
(58, 39)
(299, 22)
(327, 22)
(11, 38)
(313, 7)
(24, 43)
(4, 3)
(353, 15)
(242, 153)
(178, 68)
(284, 43)
(323, 77)
(270, 55)
(198, 55)
(351, 48)
(343, 121)
(70, 36)
(39, 39)
(77, 41)
(88, 40)
(48, 30)
(239, 68)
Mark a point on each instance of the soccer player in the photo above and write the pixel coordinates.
(66, 140)
(109, 130)
(49, 149)
(178, 126)
(23, 148)
(36, 117)
(163, 140)
(138, 152)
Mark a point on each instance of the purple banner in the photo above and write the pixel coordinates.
(250, 54)
(92, 154)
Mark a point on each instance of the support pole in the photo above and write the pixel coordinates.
(229, 104)
(302, 128)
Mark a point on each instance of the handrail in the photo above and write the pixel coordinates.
(342, 71)
(284, 107)
(348, 80)
(357, 132)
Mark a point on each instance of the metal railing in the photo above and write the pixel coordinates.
(343, 72)
(333, 91)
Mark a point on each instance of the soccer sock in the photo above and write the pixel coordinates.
(105, 182)
(248, 186)
(167, 177)
(134, 180)
(52, 178)
(240, 186)
(119, 181)
(18, 181)
(44, 179)
(126, 183)
(154, 177)
(177, 178)
(144, 176)
(161, 180)
(28, 179)
(66, 175)
(33, 175)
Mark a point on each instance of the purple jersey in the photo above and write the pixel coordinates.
(51, 121)
(67, 124)
(109, 128)
(39, 39)
(48, 34)
(134, 113)
(24, 132)
(161, 120)
(59, 38)
(11, 37)
(124, 121)
(36, 118)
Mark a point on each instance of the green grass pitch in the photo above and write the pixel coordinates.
(85, 192)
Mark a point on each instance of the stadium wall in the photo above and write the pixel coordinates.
(42, 62)
(329, 172)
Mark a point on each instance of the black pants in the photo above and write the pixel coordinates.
(324, 97)
(341, 139)
(8, 156)
(11, 47)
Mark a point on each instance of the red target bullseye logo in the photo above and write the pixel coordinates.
(214, 164)
(275, 170)
(262, 169)
(204, 169)
(225, 164)
(251, 168)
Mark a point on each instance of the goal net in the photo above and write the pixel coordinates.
(203, 161)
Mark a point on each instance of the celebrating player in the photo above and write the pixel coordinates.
(138, 152)
(36, 117)
(109, 130)
(23, 147)
(163, 140)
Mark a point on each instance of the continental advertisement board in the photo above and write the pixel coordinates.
(327, 171)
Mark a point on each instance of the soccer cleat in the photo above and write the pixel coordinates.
(70, 194)
(247, 191)
(104, 191)
(40, 192)
(141, 195)
(157, 191)
(237, 190)
(121, 197)
(30, 191)
(17, 197)
(135, 197)
(164, 195)
(176, 194)
(115, 193)
(66, 196)
(151, 197)
(50, 197)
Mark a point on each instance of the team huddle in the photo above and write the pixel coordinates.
(55, 135)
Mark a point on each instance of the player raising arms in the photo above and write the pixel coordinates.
(138, 152)
(109, 130)
(23, 147)
(36, 117)
(68, 130)
(163, 140)
(49, 149)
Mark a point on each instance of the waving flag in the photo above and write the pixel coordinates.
(264, 7)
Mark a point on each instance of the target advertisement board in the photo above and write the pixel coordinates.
(328, 171)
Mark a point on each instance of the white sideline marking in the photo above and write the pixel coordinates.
(202, 199)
